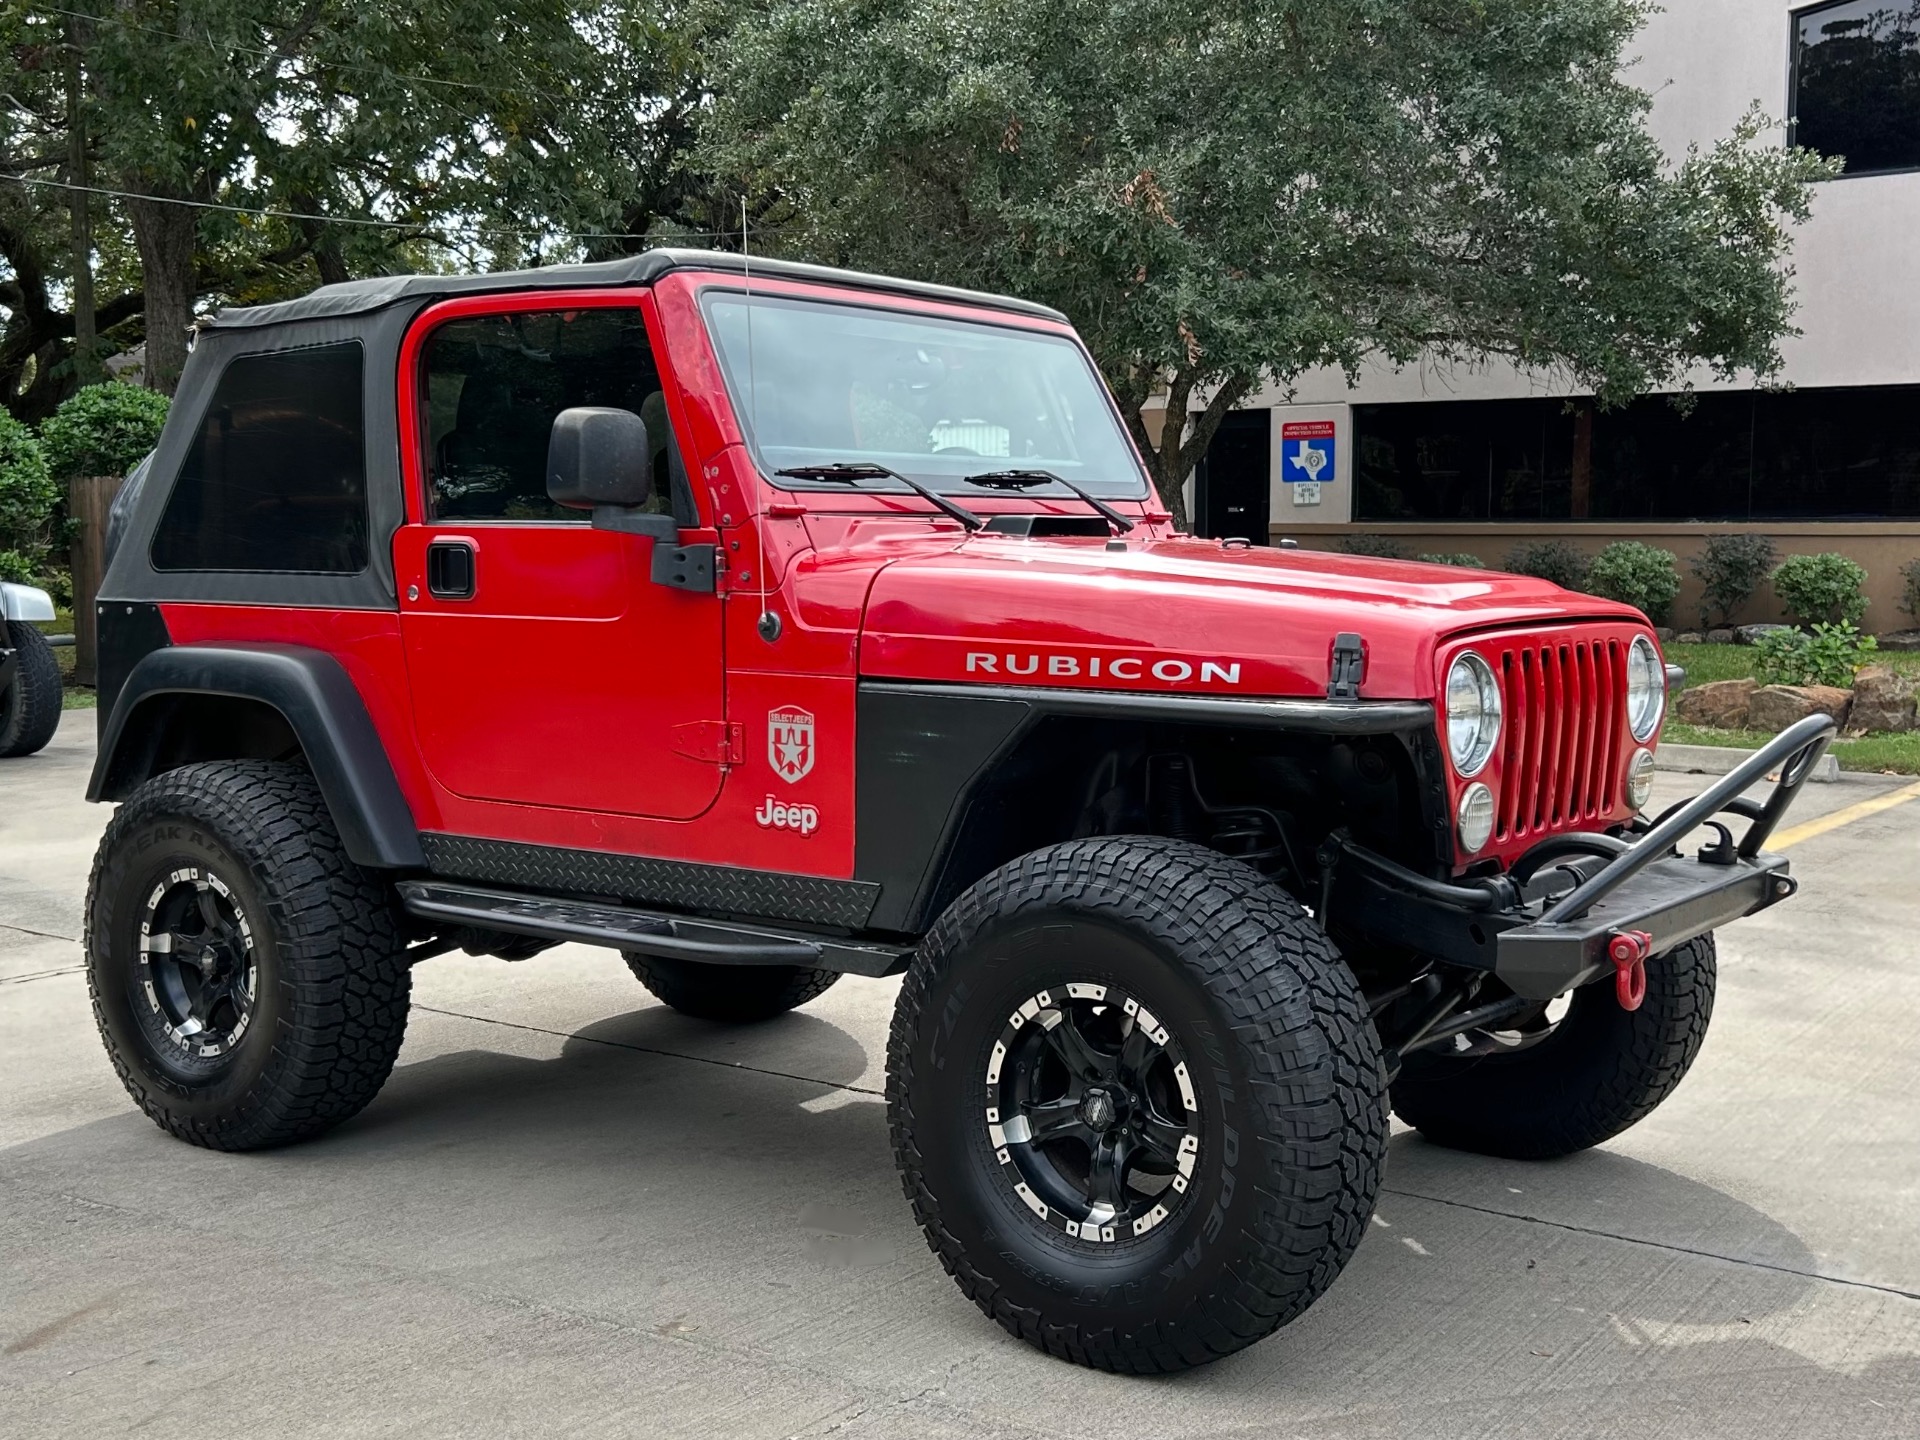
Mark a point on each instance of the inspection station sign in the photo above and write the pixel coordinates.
(1306, 451)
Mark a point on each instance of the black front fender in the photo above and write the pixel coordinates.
(311, 691)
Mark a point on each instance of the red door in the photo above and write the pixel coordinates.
(546, 666)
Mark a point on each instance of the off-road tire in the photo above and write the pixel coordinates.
(731, 994)
(1290, 1105)
(1601, 1070)
(30, 707)
(330, 1007)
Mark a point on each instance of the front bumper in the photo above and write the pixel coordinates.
(1547, 925)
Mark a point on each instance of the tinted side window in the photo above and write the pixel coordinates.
(276, 477)
(493, 386)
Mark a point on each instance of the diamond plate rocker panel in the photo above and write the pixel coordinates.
(715, 889)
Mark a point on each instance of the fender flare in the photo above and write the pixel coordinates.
(314, 695)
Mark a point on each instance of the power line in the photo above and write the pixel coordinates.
(422, 227)
(213, 44)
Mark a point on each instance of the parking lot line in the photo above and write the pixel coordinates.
(1794, 834)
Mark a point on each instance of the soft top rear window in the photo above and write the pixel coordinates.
(275, 477)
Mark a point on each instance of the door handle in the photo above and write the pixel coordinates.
(450, 570)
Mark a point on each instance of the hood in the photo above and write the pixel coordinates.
(1186, 615)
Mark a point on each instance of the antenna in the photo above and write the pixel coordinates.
(768, 623)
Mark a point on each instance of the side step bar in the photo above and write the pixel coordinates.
(673, 937)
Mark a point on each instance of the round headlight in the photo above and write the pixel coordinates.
(1646, 689)
(1473, 713)
(1476, 818)
(1640, 779)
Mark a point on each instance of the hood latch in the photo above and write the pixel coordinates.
(1349, 667)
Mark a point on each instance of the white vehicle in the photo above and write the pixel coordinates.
(29, 675)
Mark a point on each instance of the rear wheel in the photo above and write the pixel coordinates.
(30, 704)
(247, 977)
(1136, 1101)
(733, 994)
(1570, 1081)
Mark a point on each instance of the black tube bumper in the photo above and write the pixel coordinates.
(1543, 934)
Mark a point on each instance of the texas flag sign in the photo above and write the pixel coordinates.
(1306, 451)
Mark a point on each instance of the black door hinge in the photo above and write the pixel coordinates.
(1349, 667)
(684, 567)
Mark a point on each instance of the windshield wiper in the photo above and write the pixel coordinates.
(1027, 479)
(866, 470)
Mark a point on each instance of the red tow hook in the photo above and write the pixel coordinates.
(1629, 951)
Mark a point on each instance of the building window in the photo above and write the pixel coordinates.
(1856, 83)
(1819, 454)
(276, 478)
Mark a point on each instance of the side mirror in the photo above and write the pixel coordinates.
(598, 459)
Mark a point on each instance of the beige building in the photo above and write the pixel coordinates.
(1479, 458)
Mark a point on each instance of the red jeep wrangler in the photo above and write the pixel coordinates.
(768, 625)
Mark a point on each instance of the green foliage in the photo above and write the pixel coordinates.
(16, 567)
(1220, 193)
(28, 495)
(1460, 558)
(103, 430)
(1825, 587)
(1830, 655)
(1910, 588)
(1729, 569)
(1376, 547)
(1643, 576)
(1560, 561)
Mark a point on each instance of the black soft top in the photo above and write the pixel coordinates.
(361, 297)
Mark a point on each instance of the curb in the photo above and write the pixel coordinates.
(1721, 760)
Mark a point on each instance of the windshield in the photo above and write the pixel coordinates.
(814, 383)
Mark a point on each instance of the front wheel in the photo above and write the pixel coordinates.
(1570, 1083)
(1136, 1101)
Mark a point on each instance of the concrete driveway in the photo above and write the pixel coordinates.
(574, 1212)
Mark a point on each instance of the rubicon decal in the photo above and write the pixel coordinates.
(790, 742)
(778, 815)
(1042, 665)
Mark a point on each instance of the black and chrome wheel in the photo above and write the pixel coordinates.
(197, 968)
(1092, 1112)
(1137, 1102)
(247, 977)
(1569, 1075)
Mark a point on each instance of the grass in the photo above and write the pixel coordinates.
(1705, 663)
(1879, 754)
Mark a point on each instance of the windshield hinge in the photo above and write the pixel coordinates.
(1349, 667)
(714, 741)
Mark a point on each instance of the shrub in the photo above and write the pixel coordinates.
(27, 496)
(1818, 588)
(103, 430)
(1910, 588)
(1831, 655)
(1559, 561)
(1377, 547)
(1729, 570)
(1460, 558)
(1643, 576)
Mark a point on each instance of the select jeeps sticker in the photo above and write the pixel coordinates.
(778, 815)
(790, 742)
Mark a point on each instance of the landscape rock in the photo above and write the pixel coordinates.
(1722, 704)
(1719, 637)
(1687, 637)
(1901, 640)
(1663, 633)
(1883, 699)
(1774, 707)
(1750, 634)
